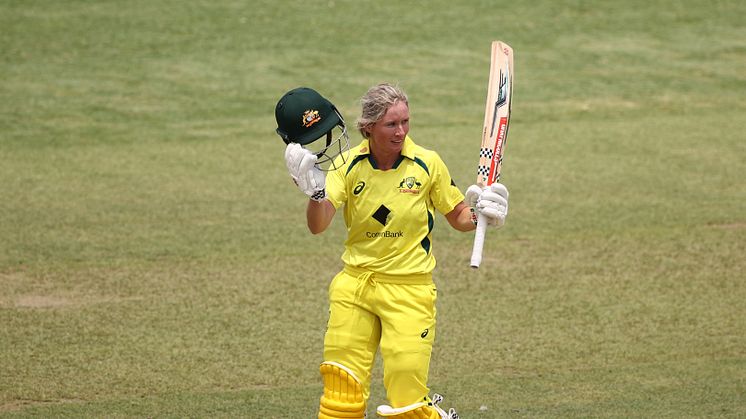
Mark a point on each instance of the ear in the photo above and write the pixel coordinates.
(366, 130)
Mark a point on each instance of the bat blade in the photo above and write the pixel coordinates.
(494, 131)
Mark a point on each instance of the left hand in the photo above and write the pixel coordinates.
(492, 202)
(301, 164)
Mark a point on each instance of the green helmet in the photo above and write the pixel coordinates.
(304, 116)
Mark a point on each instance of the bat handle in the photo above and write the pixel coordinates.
(476, 253)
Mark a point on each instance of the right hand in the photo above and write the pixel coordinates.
(301, 164)
(490, 201)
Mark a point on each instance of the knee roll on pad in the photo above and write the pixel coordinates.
(343, 393)
(419, 410)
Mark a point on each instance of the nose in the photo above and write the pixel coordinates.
(399, 130)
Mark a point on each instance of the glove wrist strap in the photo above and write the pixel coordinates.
(319, 196)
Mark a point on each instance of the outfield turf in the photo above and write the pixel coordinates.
(154, 259)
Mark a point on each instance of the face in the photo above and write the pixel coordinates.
(387, 134)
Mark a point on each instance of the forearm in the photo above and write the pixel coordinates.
(319, 215)
(460, 218)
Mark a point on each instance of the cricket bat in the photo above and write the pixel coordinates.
(494, 131)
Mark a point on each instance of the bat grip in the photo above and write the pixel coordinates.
(476, 253)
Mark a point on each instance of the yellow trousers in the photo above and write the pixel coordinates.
(396, 314)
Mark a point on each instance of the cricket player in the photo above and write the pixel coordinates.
(389, 189)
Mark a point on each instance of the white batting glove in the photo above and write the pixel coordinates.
(492, 202)
(301, 164)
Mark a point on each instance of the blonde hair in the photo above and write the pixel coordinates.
(376, 101)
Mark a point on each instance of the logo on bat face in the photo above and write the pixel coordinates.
(310, 117)
(502, 94)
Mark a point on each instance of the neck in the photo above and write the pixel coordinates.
(383, 161)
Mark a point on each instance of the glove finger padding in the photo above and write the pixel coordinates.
(293, 156)
(494, 212)
(499, 189)
(491, 197)
(301, 164)
(493, 203)
(472, 195)
(306, 178)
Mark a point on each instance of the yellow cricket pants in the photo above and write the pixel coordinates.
(368, 311)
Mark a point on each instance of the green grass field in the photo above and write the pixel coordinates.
(154, 259)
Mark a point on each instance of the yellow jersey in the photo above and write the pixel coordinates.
(390, 214)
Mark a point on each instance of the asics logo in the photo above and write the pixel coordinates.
(358, 188)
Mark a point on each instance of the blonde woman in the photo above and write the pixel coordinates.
(389, 189)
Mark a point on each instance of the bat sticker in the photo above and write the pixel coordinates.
(502, 96)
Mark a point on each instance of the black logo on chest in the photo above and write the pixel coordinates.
(358, 188)
(382, 214)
